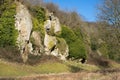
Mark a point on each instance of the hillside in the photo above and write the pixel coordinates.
(38, 40)
(64, 71)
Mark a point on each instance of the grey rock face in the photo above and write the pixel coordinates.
(23, 24)
(53, 28)
(53, 45)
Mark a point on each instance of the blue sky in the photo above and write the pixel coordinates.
(86, 8)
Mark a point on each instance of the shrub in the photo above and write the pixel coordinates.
(39, 13)
(68, 34)
(76, 43)
(77, 49)
(8, 33)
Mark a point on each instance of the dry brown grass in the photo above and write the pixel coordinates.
(10, 53)
(72, 76)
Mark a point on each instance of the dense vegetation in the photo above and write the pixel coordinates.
(8, 33)
(75, 42)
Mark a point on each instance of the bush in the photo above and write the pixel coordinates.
(77, 49)
(39, 13)
(76, 43)
(68, 34)
(8, 33)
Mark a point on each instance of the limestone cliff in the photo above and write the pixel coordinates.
(51, 42)
(52, 45)
(23, 24)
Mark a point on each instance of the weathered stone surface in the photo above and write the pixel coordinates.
(56, 24)
(23, 24)
(37, 42)
(37, 39)
(32, 42)
(49, 42)
(54, 46)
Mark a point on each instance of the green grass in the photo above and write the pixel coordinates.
(12, 69)
(52, 68)
(8, 69)
(86, 67)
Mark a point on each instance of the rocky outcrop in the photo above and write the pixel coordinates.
(31, 42)
(38, 48)
(53, 45)
(23, 24)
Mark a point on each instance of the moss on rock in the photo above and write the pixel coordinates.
(61, 45)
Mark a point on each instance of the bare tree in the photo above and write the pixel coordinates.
(110, 12)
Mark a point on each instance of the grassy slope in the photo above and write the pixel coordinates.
(23, 70)
(13, 69)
